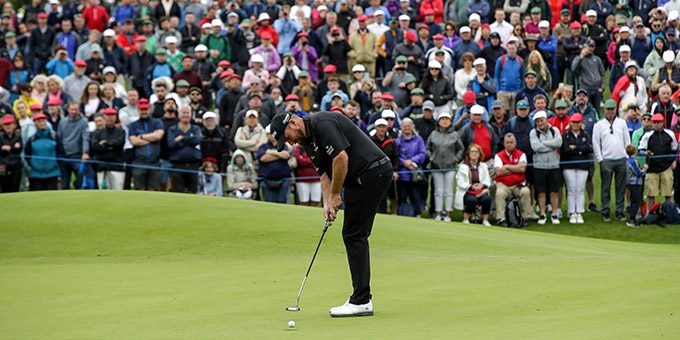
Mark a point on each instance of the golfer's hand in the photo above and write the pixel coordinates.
(332, 206)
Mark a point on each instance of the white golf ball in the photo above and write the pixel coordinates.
(291, 323)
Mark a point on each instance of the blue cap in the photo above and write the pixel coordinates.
(523, 104)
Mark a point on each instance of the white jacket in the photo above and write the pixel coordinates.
(628, 95)
(463, 181)
(610, 140)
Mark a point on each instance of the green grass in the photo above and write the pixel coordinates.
(150, 265)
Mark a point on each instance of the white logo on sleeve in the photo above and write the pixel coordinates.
(329, 149)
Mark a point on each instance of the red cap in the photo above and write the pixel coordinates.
(80, 63)
(438, 36)
(303, 34)
(292, 97)
(575, 25)
(411, 36)
(266, 36)
(362, 18)
(36, 107)
(234, 76)
(140, 38)
(110, 111)
(486, 26)
(224, 63)
(337, 109)
(370, 16)
(143, 104)
(210, 159)
(187, 56)
(225, 74)
(423, 26)
(469, 97)
(42, 15)
(428, 11)
(330, 69)
(657, 117)
(387, 96)
(54, 101)
(8, 119)
(616, 30)
(335, 30)
(576, 117)
(39, 116)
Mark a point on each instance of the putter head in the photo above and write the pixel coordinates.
(293, 309)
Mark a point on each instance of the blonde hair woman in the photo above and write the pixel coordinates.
(535, 63)
(39, 85)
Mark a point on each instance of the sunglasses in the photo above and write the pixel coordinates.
(194, 94)
(389, 118)
(645, 119)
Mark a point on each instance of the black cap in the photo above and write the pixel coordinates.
(495, 35)
(582, 91)
(277, 127)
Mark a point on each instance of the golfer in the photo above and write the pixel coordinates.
(344, 157)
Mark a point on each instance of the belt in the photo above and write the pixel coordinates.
(378, 163)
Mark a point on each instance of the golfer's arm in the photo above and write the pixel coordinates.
(339, 172)
(325, 187)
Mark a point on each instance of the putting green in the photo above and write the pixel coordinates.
(151, 265)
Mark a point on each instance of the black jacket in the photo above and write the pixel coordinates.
(227, 106)
(191, 36)
(491, 54)
(440, 91)
(136, 66)
(216, 144)
(40, 44)
(12, 158)
(582, 151)
(336, 53)
(160, 11)
(111, 151)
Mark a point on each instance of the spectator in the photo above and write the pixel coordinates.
(618, 68)
(508, 73)
(635, 174)
(661, 143)
(510, 166)
(256, 73)
(11, 147)
(630, 88)
(215, 142)
(241, 177)
(546, 141)
(389, 147)
(60, 65)
(472, 185)
(412, 156)
(576, 154)
(251, 136)
(437, 88)
(274, 171)
(426, 124)
(209, 181)
(44, 173)
(467, 44)
(444, 150)
(74, 142)
(363, 44)
(107, 149)
(40, 43)
(464, 75)
(669, 73)
(663, 105)
(145, 135)
(543, 72)
(531, 89)
(307, 182)
(183, 142)
(561, 120)
(480, 133)
(395, 80)
(483, 85)
(610, 137)
(589, 70)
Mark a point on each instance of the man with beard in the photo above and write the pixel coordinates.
(196, 104)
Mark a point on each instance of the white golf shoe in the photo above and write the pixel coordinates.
(349, 309)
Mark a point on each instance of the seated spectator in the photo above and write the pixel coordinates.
(411, 158)
(546, 141)
(472, 185)
(44, 170)
(577, 155)
(183, 142)
(307, 182)
(241, 177)
(510, 165)
(209, 181)
(251, 136)
(274, 171)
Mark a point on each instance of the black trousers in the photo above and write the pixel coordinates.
(184, 182)
(635, 200)
(38, 184)
(11, 181)
(361, 205)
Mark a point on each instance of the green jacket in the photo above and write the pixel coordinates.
(218, 43)
(176, 61)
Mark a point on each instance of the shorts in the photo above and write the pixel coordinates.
(659, 183)
(308, 191)
(145, 178)
(547, 180)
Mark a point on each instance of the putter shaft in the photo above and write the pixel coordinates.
(304, 280)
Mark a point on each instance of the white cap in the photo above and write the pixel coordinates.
(477, 110)
(379, 122)
(673, 15)
(109, 33)
(388, 114)
(322, 8)
(591, 13)
(378, 12)
(632, 63)
(444, 114)
(216, 22)
(479, 61)
(464, 29)
(624, 29)
(668, 56)
(544, 24)
(252, 113)
(232, 14)
(624, 48)
(171, 39)
(475, 17)
(512, 39)
(256, 58)
(206, 25)
(109, 69)
(201, 48)
(54, 2)
(404, 0)
(209, 114)
(404, 17)
(358, 68)
(661, 8)
(540, 114)
(263, 16)
(434, 64)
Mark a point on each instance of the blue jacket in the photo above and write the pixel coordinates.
(186, 150)
(275, 170)
(210, 184)
(73, 136)
(634, 174)
(326, 100)
(460, 49)
(62, 68)
(149, 153)
(549, 45)
(509, 77)
(121, 13)
(43, 144)
(287, 30)
(529, 94)
(413, 149)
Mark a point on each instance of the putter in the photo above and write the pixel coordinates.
(296, 308)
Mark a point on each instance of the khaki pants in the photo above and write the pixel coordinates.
(508, 100)
(503, 191)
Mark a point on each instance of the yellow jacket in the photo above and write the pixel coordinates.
(363, 48)
(26, 100)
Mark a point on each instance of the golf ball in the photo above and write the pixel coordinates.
(291, 323)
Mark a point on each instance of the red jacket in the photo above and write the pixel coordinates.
(125, 43)
(272, 31)
(305, 166)
(512, 178)
(560, 124)
(437, 6)
(96, 17)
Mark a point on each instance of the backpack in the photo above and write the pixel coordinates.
(671, 213)
(513, 213)
(504, 59)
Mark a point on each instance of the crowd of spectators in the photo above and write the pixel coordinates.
(474, 101)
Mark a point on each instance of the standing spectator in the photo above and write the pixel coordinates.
(11, 147)
(630, 88)
(467, 44)
(413, 53)
(412, 156)
(44, 173)
(96, 16)
(577, 153)
(395, 80)
(241, 177)
(40, 43)
(135, 67)
(307, 182)
(306, 56)
(659, 142)
(251, 136)
(481, 133)
(107, 147)
(363, 44)
(426, 124)
(509, 73)
(274, 171)
(145, 135)
(287, 29)
(510, 166)
(472, 185)
(444, 150)
(561, 120)
(464, 76)
(635, 177)
(209, 181)
(663, 105)
(215, 143)
(437, 88)
(546, 141)
(183, 142)
(610, 137)
(589, 71)
(531, 89)
(218, 46)
(389, 147)
(74, 143)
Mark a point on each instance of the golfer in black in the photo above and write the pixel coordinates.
(344, 157)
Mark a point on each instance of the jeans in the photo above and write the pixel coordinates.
(576, 185)
(410, 191)
(635, 201)
(67, 169)
(443, 190)
(616, 169)
(471, 202)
